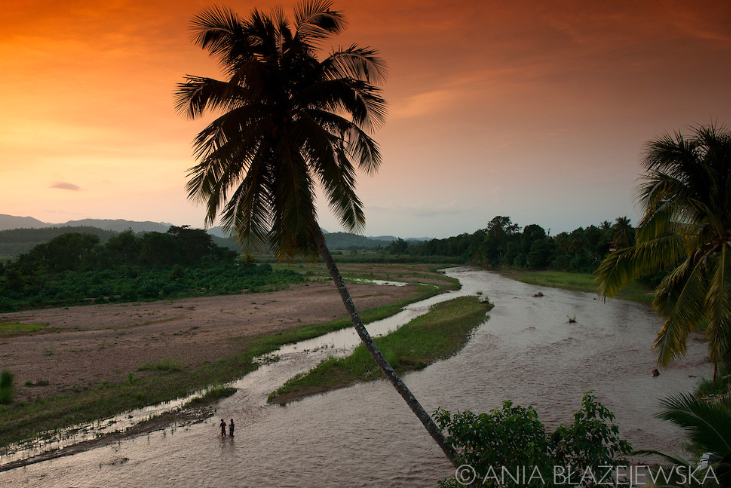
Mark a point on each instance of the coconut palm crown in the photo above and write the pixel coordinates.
(288, 120)
(686, 230)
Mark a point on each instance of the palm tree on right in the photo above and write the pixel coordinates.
(685, 230)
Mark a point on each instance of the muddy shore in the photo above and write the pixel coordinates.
(87, 345)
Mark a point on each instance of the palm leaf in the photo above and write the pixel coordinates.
(707, 423)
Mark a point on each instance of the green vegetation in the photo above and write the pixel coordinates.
(22, 420)
(293, 120)
(6, 386)
(584, 282)
(13, 328)
(504, 244)
(685, 228)
(440, 333)
(707, 424)
(514, 437)
(164, 364)
(19, 241)
(136, 283)
(710, 388)
(212, 394)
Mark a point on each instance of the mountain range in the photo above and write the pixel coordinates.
(14, 242)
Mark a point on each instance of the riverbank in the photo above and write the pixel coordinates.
(583, 282)
(527, 353)
(85, 363)
(439, 334)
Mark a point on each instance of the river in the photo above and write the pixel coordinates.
(365, 435)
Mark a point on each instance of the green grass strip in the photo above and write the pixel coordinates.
(580, 282)
(169, 381)
(439, 334)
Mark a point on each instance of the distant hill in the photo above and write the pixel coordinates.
(12, 222)
(8, 222)
(20, 234)
(344, 241)
(119, 225)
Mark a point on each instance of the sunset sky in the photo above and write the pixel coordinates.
(538, 110)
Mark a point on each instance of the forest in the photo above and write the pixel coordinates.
(77, 268)
(80, 267)
(504, 244)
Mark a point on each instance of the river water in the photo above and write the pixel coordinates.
(365, 435)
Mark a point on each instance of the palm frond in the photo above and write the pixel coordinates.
(620, 268)
(360, 63)
(288, 121)
(293, 195)
(718, 300)
(315, 21)
(687, 296)
(707, 423)
(247, 213)
(358, 145)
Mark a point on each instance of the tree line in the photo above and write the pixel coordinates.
(78, 268)
(504, 244)
(76, 251)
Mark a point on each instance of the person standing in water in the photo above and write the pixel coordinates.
(223, 428)
(231, 428)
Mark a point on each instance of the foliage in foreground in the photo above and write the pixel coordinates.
(686, 228)
(513, 437)
(708, 426)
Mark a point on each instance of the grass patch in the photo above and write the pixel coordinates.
(13, 329)
(706, 388)
(164, 364)
(583, 282)
(6, 386)
(440, 333)
(211, 395)
(20, 420)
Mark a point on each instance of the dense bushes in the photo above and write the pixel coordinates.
(510, 446)
(145, 283)
(77, 268)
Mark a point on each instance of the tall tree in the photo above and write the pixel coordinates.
(622, 232)
(685, 228)
(288, 120)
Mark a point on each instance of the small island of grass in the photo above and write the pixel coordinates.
(439, 334)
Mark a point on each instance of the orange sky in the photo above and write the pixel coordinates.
(532, 109)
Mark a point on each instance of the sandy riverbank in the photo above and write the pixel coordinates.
(87, 345)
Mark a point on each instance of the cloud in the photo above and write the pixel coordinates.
(63, 185)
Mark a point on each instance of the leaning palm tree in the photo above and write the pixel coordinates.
(288, 120)
(685, 229)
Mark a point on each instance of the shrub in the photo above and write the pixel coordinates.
(6, 386)
(498, 446)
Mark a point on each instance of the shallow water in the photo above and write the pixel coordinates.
(366, 435)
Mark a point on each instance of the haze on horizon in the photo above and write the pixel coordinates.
(534, 110)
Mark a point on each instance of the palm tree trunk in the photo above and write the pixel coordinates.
(377, 355)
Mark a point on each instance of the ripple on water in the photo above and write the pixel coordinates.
(366, 436)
